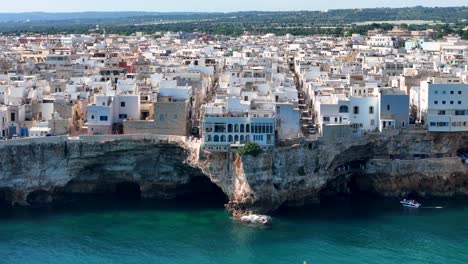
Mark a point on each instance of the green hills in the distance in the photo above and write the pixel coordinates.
(225, 23)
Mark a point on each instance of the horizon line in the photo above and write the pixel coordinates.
(226, 12)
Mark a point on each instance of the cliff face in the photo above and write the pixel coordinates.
(39, 171)
(391, 164)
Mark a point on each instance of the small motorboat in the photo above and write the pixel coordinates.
(410, 203)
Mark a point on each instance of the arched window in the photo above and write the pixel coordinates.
(242, 138)
(344, 109)
(356, 110)
(247, 128)
(242, 128)
(216, 138)
(247, 138)
(230, 138)
(223, 138)
(230, 128)
(236, 128)
(236, 138)
(208, 138)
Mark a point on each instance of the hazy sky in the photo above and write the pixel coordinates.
(208, 5)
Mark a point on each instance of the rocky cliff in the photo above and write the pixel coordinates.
(40, 171)
(390, 164)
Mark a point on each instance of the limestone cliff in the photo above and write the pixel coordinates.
(394, 163)
(39, 171)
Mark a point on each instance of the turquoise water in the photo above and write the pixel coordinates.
(148, 232)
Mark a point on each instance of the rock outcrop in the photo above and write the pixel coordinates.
(41, 171)
(392, 164)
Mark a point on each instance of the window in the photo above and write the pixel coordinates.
(371, 109)
(388, 107)
(343, 109)
(326, 119)
(459, 102)
(442, 124)
(230, 128)
(436, 92)
(444, 92)
(122, 116)
(452, 92)
(122, 104)
(92, 116)
(103, 118)
(372, 122)
(436, 102)
(459, 112)
(162, 117)
(459, 92)
(441, 112)
(451, 102)
(443, 102)
(242, 128)
(356, 110)
(12, 117)
(403, 124)
(220, 128)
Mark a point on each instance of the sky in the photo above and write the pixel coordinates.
(208, 5)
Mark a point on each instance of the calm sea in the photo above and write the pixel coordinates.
(175, 232)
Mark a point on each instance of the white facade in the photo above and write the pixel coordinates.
(100, 115)
(220, 132)
(125, 107)
(380, 41)
(364, 113)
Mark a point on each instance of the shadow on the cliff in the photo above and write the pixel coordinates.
(201, 189)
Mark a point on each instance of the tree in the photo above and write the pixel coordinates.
(250, 148)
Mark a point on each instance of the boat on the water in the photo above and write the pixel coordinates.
(410, 203)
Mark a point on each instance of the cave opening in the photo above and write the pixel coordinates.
(202, 190)
(6, 197)
(128, 190)
(354, 186)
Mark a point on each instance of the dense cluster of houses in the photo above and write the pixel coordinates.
(231, 90)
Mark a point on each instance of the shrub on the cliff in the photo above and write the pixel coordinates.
(250, 148)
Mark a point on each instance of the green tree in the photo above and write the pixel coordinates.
(250, 148)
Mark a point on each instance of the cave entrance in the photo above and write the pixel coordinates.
(201, 190)
(128, 190)
(6, 197)
(352, 186)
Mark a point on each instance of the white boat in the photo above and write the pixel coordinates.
(410, 203)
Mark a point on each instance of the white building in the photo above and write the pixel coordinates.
(220, 132)
(364, 113)
(100, 115)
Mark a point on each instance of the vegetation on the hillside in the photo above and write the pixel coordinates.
(333, 22)
(250, 148)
